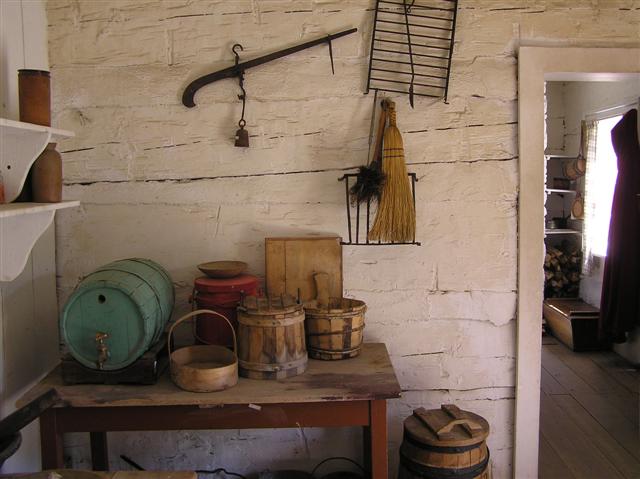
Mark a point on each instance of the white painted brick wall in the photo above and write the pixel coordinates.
(162, 181)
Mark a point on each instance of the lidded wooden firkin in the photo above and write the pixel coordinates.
(117, 312)
(444, 443)
(271, 342)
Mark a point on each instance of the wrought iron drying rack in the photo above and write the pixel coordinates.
(354, 226)
(398, 63)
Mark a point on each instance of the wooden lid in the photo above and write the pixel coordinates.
(574, 307)
(270, 305)
(448, 426)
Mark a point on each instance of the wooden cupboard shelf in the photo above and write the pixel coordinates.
(20, 144)
(561, 192)
(21, 224)
(563, 231)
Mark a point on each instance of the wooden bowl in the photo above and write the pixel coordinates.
(223, 269)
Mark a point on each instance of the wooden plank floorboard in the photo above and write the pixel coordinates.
(625, 431)
(562, 373)
(617, 455)
(550, 385)
(620, 370)
(550, 464)
(578, 452)
(599, 379)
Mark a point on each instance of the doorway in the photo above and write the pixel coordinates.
(537, 65)
(589, 394)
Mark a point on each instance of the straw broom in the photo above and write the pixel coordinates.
(396, 218)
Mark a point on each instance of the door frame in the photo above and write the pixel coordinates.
(535, 66)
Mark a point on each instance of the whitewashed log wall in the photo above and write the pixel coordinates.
(162, 181)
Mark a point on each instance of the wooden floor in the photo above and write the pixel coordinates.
(588, 415)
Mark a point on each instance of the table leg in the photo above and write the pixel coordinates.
(378, 439)
(99, 451)
(366, 446)
(51, 441)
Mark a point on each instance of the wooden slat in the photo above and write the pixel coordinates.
(550, 464)
(580, 455)
(626, 464)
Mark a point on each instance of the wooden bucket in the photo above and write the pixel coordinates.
(574, 169)
(444, 443)
(203, 368)
(271, 338)
(335, 332)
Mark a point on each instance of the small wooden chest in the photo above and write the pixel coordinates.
(573, 322)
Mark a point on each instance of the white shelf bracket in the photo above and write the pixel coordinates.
(18, 235)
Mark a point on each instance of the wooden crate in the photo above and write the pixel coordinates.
(573, 322)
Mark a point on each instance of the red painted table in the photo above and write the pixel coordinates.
(352, 392)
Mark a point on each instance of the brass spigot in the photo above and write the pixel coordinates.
(103, 349)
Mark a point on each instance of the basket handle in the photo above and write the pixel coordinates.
(195, 313)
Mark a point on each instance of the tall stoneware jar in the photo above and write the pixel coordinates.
(34, 96)
(46, 176)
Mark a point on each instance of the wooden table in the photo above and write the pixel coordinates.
(352, 392)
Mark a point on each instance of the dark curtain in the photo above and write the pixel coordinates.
(620, 303)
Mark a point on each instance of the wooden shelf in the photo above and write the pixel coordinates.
(561, 192)
(17, 209)
(560, 231)
(21, 224)
(20, 144)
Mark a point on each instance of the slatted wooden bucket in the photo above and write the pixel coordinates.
(117, 312)
(271, 342)
(444, 443)
(335, 331)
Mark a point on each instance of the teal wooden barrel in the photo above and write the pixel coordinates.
(130, 300)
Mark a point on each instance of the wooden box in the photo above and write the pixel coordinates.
(145, 370)
(573, 322)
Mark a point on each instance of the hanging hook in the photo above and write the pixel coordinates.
(333, 71)
(233, 49)
(242, 137)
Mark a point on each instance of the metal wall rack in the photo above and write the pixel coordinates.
(354, 225)
(412, 46)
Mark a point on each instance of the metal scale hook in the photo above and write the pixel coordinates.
(242, 135)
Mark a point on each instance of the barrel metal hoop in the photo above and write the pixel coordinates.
(273, 367)
(429, 447)
(341, 332)
(270, 322)
(443, 472)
